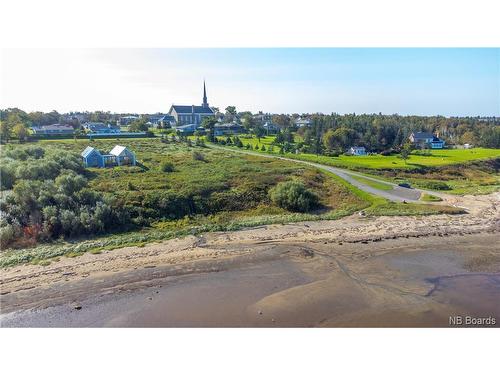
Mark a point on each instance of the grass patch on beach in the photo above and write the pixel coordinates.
(430, 198)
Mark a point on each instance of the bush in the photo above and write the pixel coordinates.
(434, 185)
(167, 166)
(293, 196)
(198, 156)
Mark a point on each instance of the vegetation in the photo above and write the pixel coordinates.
(372, 183)
(430, 198)
(50, 195)
(293, 196)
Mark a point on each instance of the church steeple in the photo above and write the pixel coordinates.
(205, 102)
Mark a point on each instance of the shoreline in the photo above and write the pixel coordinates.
(344, 244)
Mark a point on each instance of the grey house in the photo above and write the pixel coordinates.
(119, 155)
(425, 138)
(56, 129)
(92, 158)
(191, 114)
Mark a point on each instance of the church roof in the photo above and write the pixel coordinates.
(187, 109)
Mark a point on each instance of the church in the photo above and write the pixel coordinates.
(191, 114)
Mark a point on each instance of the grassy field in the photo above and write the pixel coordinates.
(435, 158)
(463, 170)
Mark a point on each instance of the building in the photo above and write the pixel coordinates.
(92, 158)
(119, 155)
(191, 114)
(270, 128)
(426, 139)
(160, 120)
(101, 128)
(301, 122)
(189, 129)
(262, 118)
(228, 129)
(54, 129)
(357, 151)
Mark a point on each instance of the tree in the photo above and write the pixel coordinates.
(139, 125)
(20, 132)
(259, 132)
(230, 114)
(248, 121)
(5, 130)
(405, 152)
(282, 121)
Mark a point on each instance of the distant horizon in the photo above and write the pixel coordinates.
(448, 82)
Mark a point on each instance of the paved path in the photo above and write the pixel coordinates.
(397, 194)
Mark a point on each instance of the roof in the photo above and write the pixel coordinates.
(228, 125)
(422, 135)
(188, 126)
(357, 148)
(183, 109)
(117, 150)
(100, 125)
(88, 150)
(54, 127)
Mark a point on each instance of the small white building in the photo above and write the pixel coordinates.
(122, 155)
(468, 145)
(357, 151)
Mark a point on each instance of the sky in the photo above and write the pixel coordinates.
(434, 81)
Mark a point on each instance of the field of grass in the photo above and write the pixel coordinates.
(373, 184)
(435, 158)
(437, 165)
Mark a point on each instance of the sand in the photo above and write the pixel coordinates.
(355, 271)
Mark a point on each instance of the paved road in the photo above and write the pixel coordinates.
(397, 194)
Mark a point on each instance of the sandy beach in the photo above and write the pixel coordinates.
(357, 271)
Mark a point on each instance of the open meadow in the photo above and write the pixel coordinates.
(457, 171)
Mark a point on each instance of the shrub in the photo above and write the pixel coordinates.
(293, 196)
(167, 166)
(198, 156)
(434, 185)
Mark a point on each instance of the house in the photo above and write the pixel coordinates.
(228, 129)
(164, 121)
(54, 129)
(426, 139)
(101, 128)
(357, 151)
(301, 122)
(92, 158)
(123, 156)
(468, 146)
(262, 118)
(270, 128)
(191, 114)
(189, 129)
(119, 155)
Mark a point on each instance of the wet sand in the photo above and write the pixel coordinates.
(391, 283)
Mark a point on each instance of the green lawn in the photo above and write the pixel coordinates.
(373, 184)
(435, 159)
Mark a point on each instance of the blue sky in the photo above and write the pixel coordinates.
(406, 81)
